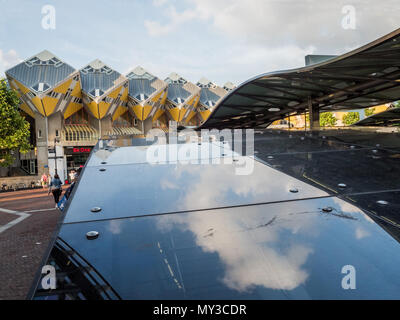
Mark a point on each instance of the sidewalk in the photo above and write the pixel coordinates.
(27, 222)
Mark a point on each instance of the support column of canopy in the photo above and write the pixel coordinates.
(314, 115)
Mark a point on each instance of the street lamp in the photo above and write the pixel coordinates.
(55, 154)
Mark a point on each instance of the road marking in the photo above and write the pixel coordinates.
(40, 210)
(22, 216)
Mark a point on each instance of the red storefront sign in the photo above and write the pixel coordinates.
(81, 150)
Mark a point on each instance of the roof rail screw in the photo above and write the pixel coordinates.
(378, 145)
(382, 202)
(270, 157)
(91, 235)
(95, 209)
(352, 147)
(342, 185)
(374, 151)
(327, 209)
(294, 190)
(103, 162)
(102, 169)
(323, 137)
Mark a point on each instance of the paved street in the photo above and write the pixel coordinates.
(27, 222)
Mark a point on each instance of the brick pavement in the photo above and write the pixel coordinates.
(23, 245)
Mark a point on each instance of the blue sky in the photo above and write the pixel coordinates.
(223, 40)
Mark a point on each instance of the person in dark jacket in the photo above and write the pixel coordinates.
(55, 188)
(67, 193)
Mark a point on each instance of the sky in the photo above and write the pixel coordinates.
(222, 40)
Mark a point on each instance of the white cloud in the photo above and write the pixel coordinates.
(255, 59)
(250, 254)
(154, 28)
(8, 60)
(349, 208)
(224, 182)
(168, 184)
(264, 35)
(115, 226)
(159, 3)
(361, 233)
(345, 206)
(236, 63)
(301, 23)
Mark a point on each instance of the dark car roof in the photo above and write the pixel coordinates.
(287, 230)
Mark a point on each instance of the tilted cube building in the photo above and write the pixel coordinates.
(147, 96)
(70, 109)
(210, 95)
(183, 97)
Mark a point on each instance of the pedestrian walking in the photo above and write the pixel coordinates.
(72, 176)
(76, 176)
(68, 192)
(55, 188)
(43, 180)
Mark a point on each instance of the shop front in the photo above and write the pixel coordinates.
(76, 157)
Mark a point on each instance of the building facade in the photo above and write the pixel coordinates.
(69, 109)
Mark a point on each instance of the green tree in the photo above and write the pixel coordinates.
(327, 119)
(369, 112)
(14, 129)
(396, 104)
(350, 118)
